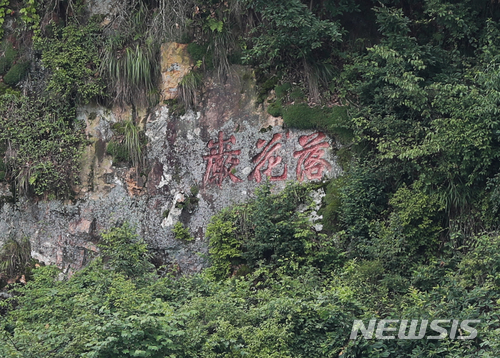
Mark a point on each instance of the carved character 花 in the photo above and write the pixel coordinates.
(267, 160)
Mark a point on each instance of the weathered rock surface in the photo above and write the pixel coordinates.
(196, 164)
(175, 64)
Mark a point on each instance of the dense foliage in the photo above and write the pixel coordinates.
(286, 307)
(43, 143)
(71, 53)
(410, 230)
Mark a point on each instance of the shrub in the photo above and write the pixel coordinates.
(225, 247)
(46, 141)
(267, 231)
(72, 55)
(16, 73)
(15, 257)
(275, 109)
(181, 232)
(332, 120)
(118, 151)
(125, 251)
(200, 54)
(7, 59)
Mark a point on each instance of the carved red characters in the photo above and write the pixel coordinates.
(267, 160)
(221, 161)
(310, 161)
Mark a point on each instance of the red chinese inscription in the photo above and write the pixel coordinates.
(311, 164)
(221, 161)
(267, 160)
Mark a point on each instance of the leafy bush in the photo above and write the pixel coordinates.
(363, 198)
(425, 123)
(125, 251)
(181, 232)
(226, 249)
(3, 13)
(269, 313)
(15, 258)
(268, 231)
(30, 16)
(118, 151)
(16, 73)
(72, 56)
(200, 54)
(289, 31)
(413, 231)
(45, 144)
(7, 59)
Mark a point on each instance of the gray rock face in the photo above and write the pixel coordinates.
(226, 165)
(102, 7)
(197, 164)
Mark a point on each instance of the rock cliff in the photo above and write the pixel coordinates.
(194, 164)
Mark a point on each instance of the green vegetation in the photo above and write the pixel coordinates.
(132, 142)
(8, 58)
(118, 151)
(177, 107)
(134, 75)
(72, 55)
(269, 230)
(29, 15)
(127, 146)
(289, 31)
(124, 252)
(188, 88)
(16, 73)
(3, 12)
(410, 230)
(15, 258)
(200, 55)
(44, 144)
(276, 288)
(181, 232)
(332, 120)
